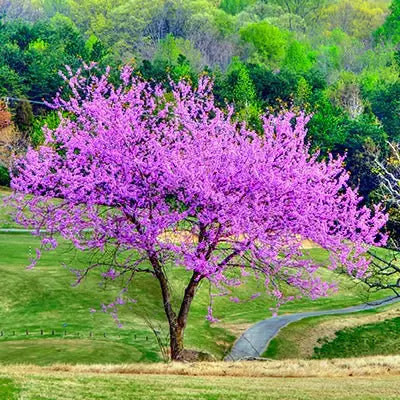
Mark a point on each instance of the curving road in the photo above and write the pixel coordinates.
(255, 340)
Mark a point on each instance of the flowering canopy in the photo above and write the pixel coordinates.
(173, 177)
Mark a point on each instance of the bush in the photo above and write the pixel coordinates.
(4, 176)
(51, 120)
(24, 116)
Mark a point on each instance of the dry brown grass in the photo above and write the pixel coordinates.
(64, 385)
(236, 329)
(8, 134)
(8, 138)
(357, 367)
(189, 237)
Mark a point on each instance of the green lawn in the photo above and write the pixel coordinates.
(84, 386)
(381, 338)
(60, 327)
(368, 333)
(5, 218)
(43, 299)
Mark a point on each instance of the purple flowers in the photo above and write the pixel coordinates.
(135, 167)
(111, 273)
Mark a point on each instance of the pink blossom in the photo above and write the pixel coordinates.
(128, 164)
(111, 273)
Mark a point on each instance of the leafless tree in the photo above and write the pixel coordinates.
(24, 9)
(389, 173)
(384, 273)
(304, 8)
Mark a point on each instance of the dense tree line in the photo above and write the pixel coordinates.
(336, 59)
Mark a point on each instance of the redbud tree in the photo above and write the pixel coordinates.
(166, 176)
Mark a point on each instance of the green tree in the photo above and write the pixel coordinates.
(269, 41)
(307, 9)
(299, 57)
(32, 54)
(332, 130)
(4, 176)
(391, 27)
(273, 88)
(50, 120)
(11, 83)
(386, 106)
(358, 18)
(235, 6)
(93, 16)
(303, 94)
(239, 87)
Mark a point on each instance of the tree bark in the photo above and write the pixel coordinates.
(177, 331)
(176, 343)
(177, 324)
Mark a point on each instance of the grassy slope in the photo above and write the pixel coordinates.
(370, 339)
(89, 387)
(372, 332)
(5, 218)
(43, 299)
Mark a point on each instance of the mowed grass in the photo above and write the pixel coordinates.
(42, 300)
(49, 351)
(148, 387)
(5, 211)
(369, 339)
(240, 381)
(43, 319)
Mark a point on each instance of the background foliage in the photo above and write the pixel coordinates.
(337, 59)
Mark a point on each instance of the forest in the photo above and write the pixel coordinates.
(337, 60)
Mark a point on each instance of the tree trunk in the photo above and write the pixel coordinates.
(176, 343)
(177, 330)
(177, 324)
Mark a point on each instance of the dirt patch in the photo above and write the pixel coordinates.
(235, 329)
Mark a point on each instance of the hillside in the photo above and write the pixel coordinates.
(372, 332)
(43, 299)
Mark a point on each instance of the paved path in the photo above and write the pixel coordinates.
(255, 340)
(17, 230)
